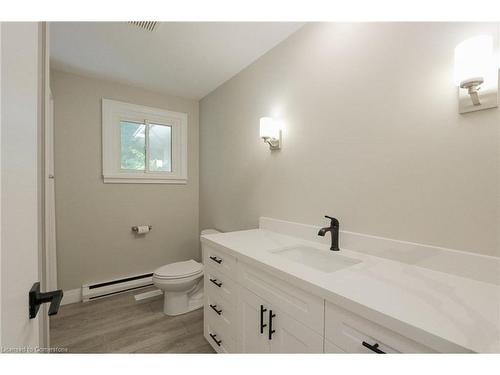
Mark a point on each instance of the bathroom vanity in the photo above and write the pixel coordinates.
(278, 289)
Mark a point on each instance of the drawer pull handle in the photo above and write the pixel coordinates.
(373, 348)
(219, 284)
(216, 260)
(262, 325)
(271, 330)
(214, 307)
(214, 337)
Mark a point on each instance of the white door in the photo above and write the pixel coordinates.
(22, 102)
(49, 263)
(253, 323)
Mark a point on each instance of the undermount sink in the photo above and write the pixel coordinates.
(322, 260)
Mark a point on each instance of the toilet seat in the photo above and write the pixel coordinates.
(179, 270)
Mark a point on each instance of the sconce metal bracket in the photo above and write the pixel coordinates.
(475, 95)
(274, 143)
(473, 86)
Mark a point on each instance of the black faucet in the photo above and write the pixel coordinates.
(334, 230)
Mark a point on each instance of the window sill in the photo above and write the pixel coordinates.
(143, 180)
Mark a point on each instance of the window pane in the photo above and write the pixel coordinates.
(160, 146)
(133, 145)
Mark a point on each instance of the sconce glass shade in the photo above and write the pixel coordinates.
(473, 59)
(269, 128)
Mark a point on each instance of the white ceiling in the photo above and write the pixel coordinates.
(188, 59)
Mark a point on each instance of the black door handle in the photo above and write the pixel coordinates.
(262, 325)
(271, 330)
(214, 307)
(214, 258)
(219, 284)
(373, 348)
(214, 337)
(36, 299)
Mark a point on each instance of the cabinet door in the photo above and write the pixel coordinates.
(291, 336)
(331, 348)
(251, 338)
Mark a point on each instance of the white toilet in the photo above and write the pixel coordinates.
(182, 284)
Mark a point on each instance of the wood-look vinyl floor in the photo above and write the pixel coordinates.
(120, 324)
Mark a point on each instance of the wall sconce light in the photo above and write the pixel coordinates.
(475, 70)
(270, 132)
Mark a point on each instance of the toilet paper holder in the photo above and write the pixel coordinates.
(135, 228)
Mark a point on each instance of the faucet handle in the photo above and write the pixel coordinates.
(335, 222)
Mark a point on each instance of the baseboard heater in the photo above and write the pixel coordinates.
(111, 287)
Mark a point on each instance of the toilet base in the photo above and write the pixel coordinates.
(180, 303)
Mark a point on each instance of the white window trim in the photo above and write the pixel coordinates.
(112, 112)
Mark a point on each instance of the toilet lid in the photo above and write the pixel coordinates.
(179, 269)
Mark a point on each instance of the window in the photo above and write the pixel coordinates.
(143, 144)
(134, 148)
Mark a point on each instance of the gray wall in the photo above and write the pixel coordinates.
(94, 240)
(373, 136)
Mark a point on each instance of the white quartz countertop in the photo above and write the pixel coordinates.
(417, 302)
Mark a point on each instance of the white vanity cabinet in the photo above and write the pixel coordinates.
(289, 320)
(253, 317)
(220, 326)
(265, 328)
(249, 310)
(348, 332)
(291, 336)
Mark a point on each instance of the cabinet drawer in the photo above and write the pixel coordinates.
(219, 337)
(303, 306)
(219, 260)
(354, 334)
(219, 285)
(221, 311)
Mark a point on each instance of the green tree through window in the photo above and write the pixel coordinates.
(133, 146)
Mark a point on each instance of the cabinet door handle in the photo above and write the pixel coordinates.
(214, 307)
(219, 284)
(216, 260)
(214, 337)
(271, 330)
(373, 348)
(262, 325)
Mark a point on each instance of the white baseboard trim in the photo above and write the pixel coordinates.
(72, 296)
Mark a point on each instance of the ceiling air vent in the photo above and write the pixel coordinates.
(146, 25)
